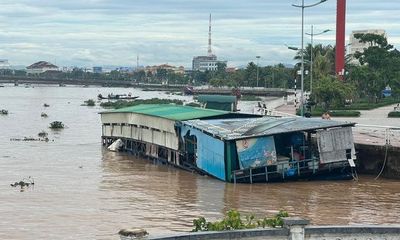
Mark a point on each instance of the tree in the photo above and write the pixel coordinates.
(331, 92)
(250, 76)
(379, 66)
(323, 59)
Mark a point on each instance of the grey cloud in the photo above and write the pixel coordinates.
(104, 32)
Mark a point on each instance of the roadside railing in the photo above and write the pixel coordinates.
(284, 168)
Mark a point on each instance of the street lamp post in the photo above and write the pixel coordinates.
(302, 6)
(258, 57)
(312, 34)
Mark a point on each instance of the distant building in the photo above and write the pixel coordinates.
(97, 69)
(209, 62)
(4, 64)
(153, 69)
(357, 46)
(231, 69)
(41, 67)
(66, 69)
(205, 63)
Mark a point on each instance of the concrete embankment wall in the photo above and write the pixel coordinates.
(298, 233)
(371, 159)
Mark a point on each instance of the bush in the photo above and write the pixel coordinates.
(334, 113)
(56, 125)
(233, 221)
(366, 104)
(394, 114)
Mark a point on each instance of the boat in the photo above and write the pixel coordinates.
(117, 97)
(235, 147)
(188, 90)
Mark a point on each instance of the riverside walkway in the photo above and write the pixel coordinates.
(373, 126)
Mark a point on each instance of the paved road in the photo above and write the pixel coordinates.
(373, 126)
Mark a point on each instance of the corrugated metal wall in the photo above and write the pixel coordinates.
(332, 144)
(210, 153)
(149, 129)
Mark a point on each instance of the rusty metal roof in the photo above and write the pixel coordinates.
(229, 129)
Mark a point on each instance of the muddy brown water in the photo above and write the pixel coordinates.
(82, 191)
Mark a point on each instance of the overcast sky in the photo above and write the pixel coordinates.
(103, 32)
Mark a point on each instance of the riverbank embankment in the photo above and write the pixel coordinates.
(296, 229)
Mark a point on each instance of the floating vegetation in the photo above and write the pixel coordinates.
(233, 221)
(26, 182)
(46, 105)
(44, 115)
(133, 233)
(123, 103)
(43, 134)
(90, 103)
(56, 125)
(3, 111)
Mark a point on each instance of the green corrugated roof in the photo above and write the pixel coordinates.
(170, 111)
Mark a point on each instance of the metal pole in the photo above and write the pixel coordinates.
(302, 6)
(302, 61)
(258, 57)
(312, 55)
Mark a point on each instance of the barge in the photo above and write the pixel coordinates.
(234, 147)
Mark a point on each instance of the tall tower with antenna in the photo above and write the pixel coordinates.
(209, 38)
(209, 62)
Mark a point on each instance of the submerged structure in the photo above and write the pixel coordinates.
(234, 147)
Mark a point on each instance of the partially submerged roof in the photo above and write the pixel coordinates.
(229, 129)
(175, 112)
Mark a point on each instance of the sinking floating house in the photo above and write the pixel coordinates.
(234, 147)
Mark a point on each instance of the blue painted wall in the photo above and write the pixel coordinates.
(210, 153)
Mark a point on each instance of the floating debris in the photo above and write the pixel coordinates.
(46, 105)
(56, 125)
(132, 233)
(4, 112)
(31, 139)
(43, 115)
(26, 182)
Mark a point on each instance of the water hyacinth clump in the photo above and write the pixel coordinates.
(56, 125)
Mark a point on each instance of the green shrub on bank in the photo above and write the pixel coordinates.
(332, 113)
(124, 103)
(233, 221)
(394, 114)
(365, 104)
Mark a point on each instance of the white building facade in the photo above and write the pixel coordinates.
(357, 46)
(205, 63)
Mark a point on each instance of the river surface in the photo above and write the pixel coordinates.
(82, 191)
